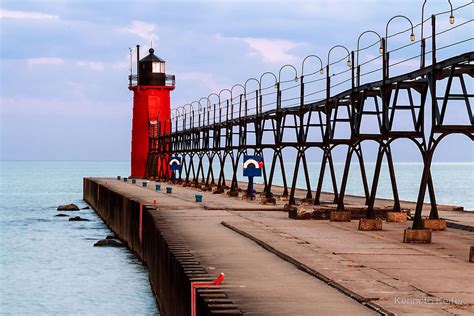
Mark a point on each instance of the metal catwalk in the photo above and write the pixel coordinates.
(323, 110)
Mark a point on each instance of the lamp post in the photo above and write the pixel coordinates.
(328, 78)
(357, 51)
(277, 86)
(176, 117)
(190, 114)
(422, 44)
(182, 114)
(214, 107)
(232, 98)
(194, 112)
(256, 94)
(130, 50)
(321, 71)
(207, 109)
(287, 65)
(203, 109)
(279, 81)
(227, 106)
(385, 48)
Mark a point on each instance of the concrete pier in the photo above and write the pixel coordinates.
(278, 266)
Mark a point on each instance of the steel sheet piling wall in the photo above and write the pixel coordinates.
(171, 266)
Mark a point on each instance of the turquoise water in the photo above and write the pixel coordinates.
(48, 265)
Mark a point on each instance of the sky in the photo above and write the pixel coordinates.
(64, 64)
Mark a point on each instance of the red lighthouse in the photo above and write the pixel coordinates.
(151, 112)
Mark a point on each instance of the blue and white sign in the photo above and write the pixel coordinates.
(253, 166)
(175, 163)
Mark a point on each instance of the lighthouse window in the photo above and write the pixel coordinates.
(158, 67)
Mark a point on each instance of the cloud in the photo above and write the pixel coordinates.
(26, 15)
(89, 64)
(207, 79)
(78, 107)
(272, 50)
(44, 61)
(334, 9)
(142, 29)
(93, 65)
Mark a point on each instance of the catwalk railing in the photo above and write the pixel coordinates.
(326, 111)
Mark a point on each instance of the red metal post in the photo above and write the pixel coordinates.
(195, 285)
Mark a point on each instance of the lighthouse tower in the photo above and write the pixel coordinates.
(151, 113)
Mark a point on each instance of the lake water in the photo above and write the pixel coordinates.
(453, 182)
(48, 265)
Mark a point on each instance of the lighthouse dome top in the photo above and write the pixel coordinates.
(151, 71)
(152, 57)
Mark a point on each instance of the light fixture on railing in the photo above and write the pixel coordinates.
(349, 61)
(321, 70)
(451, 17)
(261, 79)
(358, 43)
(284, 66)
(412, 35)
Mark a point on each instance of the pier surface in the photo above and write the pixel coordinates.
(278, 266)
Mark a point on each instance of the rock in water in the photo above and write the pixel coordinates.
(112, 236)
(68, 207)
(61, 215)
(108, 243)
(78, 219)
(85, 208)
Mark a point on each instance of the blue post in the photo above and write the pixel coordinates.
(250, 194)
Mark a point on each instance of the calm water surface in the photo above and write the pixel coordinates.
(48, 265)
(453, 182)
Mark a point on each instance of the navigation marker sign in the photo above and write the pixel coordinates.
(253, 166)
(175, 163)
